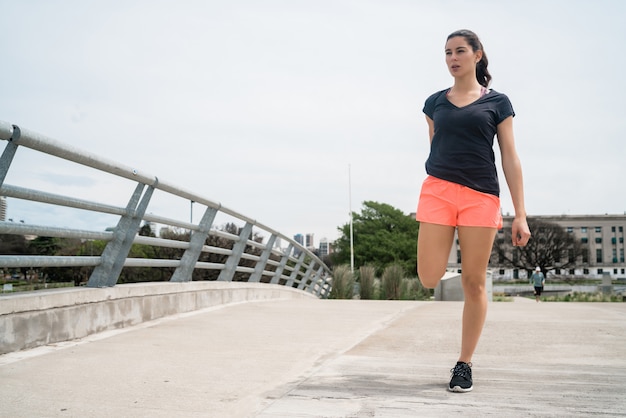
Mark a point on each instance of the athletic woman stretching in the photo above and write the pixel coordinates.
(462, 191)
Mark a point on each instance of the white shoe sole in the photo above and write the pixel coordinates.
(459, 389)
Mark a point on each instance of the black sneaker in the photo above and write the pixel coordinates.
(461, 380)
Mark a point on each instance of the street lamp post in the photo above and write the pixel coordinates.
(351, 217)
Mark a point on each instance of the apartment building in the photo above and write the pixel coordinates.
(325, 248)
(602, 238)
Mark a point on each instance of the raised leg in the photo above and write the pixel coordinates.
(433, 250)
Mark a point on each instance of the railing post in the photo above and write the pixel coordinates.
(107, 273)
(184, 272)
(307, 274)
(317, 280)
(296, 270)
(260, 265)
(8, 154)
(233, 260)
(326, 288)
(281, 267)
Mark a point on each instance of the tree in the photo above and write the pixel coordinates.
(51, 246)
(46, 245)
(383, 236)
(13, 244)
(550, 248)
(146, 230)
(55, 246)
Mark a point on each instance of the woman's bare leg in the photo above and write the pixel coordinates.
(433, 250)
(476, 244)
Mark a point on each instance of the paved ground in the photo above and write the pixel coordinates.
(324, 358)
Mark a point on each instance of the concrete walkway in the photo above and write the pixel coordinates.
(325, 358)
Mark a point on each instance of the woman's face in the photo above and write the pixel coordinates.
(460, 57)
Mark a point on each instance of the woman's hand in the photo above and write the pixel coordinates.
(520, 233)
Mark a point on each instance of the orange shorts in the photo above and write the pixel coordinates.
(446, 203)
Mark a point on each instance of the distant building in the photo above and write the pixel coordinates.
(3, 208)
(310, 242)
(325, 248)
(602, 238)
(299, 238)
(307, 241)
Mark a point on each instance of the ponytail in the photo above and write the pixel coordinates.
(482, 73)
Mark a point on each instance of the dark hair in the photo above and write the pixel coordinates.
(482, 74)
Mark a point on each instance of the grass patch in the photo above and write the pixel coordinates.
(501, 297)
(584, 297)
(23, 287)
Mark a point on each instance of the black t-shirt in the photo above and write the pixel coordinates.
(461, 150)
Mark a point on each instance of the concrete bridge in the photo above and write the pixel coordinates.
(262, 339)
(267, 351)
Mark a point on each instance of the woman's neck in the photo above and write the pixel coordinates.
(466, 85)
(463, 94)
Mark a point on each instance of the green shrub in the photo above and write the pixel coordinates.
(412, 289)
(342, 282)
(367, 278)
(392, 282)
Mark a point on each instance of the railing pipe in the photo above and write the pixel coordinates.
(6, 130)
(48, 261)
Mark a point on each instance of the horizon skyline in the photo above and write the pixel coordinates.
(313, 234)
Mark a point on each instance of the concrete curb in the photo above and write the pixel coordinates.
(28, 320)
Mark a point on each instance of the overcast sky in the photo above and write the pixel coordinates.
(267, 106)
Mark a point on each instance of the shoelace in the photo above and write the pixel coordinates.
(463, 370)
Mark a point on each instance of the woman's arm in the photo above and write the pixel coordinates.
(431, 128)
(513, 173)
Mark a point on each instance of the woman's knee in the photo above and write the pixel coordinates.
(429, 279)
(473, 286)
(429, 283)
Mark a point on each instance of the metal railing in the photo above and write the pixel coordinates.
(267, 262)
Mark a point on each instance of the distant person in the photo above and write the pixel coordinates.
(538, 280)
(462, 190)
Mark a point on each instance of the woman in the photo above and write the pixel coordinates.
(461, 190)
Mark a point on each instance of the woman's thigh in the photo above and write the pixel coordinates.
(433, 251)
(476, 243)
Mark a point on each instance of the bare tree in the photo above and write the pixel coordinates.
(550, 248)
